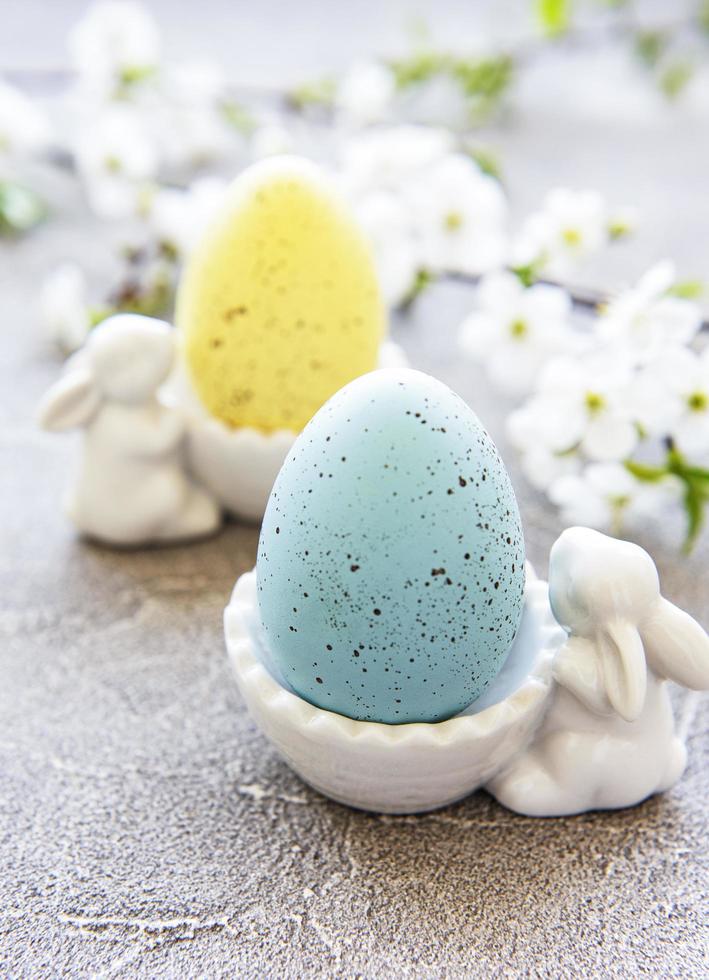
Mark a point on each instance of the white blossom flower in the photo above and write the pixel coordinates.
(178, 217)
(688, 384)
(385, 221)
(671, 398)
(386, 158)
(270, 140)
(515, 330)
(187, 137)
(24, 128)
(606, 496)
(114, 45)
(64, 309)
(570, 226)
(117, 160)
(580, 404)
(646, 318)
(540, 464)
(366, 92)
(461, 216)
(543, 467)
(185, 117)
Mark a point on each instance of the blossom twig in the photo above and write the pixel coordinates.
(583, 299)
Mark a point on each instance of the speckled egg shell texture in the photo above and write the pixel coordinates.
(279, 304)
(391, 559)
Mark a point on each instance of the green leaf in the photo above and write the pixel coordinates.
(527, 274)
(237, 116)
(688, 289)
(482, 81)
(696, 494)
(675, 77)
(553, 16)
(695, 491)
(645, 473)
(21, 209)
(697, 474)
(421, 67)
(694, 506)
(488, 78)
(488, 162)
(97, 314)
(565, 453)
(318, 93)
(703, 16)
(422, 280)
(650, 46)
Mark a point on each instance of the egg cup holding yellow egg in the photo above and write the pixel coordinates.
(278, 308)
(396, 649)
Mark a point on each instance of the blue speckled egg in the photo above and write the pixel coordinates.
(391, 559)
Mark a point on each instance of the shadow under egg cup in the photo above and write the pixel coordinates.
(407, 768)
(240, 466)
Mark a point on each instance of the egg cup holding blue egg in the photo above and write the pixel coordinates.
(278, 307)
(398, 651)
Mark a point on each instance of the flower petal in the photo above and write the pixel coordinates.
(609, 437)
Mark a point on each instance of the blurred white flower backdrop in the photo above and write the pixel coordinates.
(607, 394)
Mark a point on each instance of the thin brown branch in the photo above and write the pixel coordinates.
(583, 299)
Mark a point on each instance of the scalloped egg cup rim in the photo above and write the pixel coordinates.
(244, 433)
(253, 677)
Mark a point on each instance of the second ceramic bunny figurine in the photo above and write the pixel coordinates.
(608, 739)
(131, 487)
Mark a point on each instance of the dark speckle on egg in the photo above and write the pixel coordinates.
(406, 564)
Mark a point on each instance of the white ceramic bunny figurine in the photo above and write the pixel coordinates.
(131, 488)
(608, 739)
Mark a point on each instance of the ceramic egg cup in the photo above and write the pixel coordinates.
(239, 466)
(407, 768)
(579, 718)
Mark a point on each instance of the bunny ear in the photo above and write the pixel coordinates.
(624, 670)
(70, 403)
(677, 647)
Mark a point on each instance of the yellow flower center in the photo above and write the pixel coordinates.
(518, 329)
(698, 401)
(453, 221)
(595, 403)
(572, 237)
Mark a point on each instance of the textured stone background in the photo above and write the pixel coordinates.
(146, 828)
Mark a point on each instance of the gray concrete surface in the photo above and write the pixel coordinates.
(148, 830)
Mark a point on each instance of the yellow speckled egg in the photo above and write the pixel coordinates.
(279, 305)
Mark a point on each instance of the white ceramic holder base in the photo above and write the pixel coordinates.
(239, 466)
(579, 718)
(396, 768)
